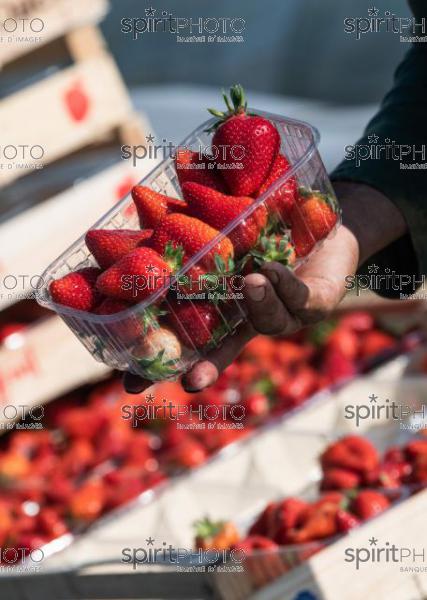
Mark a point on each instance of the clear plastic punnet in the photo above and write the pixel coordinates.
(151, 338)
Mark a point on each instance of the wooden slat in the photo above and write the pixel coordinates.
(52, 17)
(25, 248)
(61, 114)
(46, 360)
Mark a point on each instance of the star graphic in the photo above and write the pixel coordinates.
(149, 268)
(373, 139)
(373, 398)
(373, 541)
(150, 12)
(150, 138)
(373, 11)
(373, 268)
(149, 398)
(150, 541)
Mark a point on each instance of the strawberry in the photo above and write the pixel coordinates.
(254, 543)
(336, 367)
(369, 503)
(280, 202)
(77, 290)
(218, 210)
(319, 522)
(135, 277)
(189, 454)
(351, 452)
(346, 521)
(303, 383)
(88, 501)
(374, 343)
(339, 479)
(345, 341)
(253, 136)
(275, 247)
(287, 516)
(158, 353)
(359, 321)
(191, 235)
(391, 474)
(311, 219)
(153, 206)
(130, 328)
(196, 323)
(191, 166)
(265, 522)
(215, 535)
(109, 245)
(256, 406)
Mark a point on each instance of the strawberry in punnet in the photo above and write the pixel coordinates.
(218, 210)
(158, 353)
(340, 479)
(253, 139)
(369, 503)
(275, 247)
(191, 235)
(311, 219)
(153, 206)
(196, 323)
(194, 166)
(376, 342)
(135, 277)
(346, 521)
(281, 201)
(77, 290)
(351, 452)
(110, 245)
(215, 535)
(130, 328)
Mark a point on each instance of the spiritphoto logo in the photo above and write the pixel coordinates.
(21, 157)
(19, 286)
(410, 156)
(29, 416)
(183, 559)
(208, 157)
(20, 560)
(186, 29)
(409, 559)
(409, 286)
(408, 416)
(194, 417)
(387, 22)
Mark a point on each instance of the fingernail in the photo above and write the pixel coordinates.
(256, 293)
(188, 386)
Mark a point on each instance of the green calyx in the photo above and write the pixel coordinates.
(236, 105)
(173, 256)
(157, 368)
(149, 319)
(320, 333)
(327, 198)
(206, 528)
(272, 248)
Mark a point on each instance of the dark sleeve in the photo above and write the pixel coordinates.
(392, 158)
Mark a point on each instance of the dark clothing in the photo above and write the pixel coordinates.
(401, 123)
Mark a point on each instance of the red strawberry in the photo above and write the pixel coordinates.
(336, 367)
(190, 166)
(248, 139)
(376, 342)
(255, 542)
(287, 515)
(196, 323)
(303, 383)
(351, 452)
(256, 405)
(109, 245)
(339, 479)
(346, 521)
(127, 330)
(369, 503)
(265, 522)
(312, 218)
(282, 200)
(135, 277)
(77, 290)
(218, 210)
(152, 206)
(345, 341)
(358, 321)
(319, 522)
(189, 454)
(192, 235)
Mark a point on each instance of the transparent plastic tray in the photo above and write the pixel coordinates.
(105, 337)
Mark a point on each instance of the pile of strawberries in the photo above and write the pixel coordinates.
(88, 459)
(354, 462)
(356, 486)
(217, 190)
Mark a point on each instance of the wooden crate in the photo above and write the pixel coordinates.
(59, 115)
(43, 362)
(45, 20)
(46, 230)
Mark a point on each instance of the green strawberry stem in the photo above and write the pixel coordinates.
(206, 528)
(272, 249)
(156, 368)
(237, 105)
